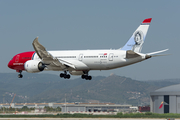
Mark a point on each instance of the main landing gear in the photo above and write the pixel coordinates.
(65, 75)
(86, 77)
(20, 75)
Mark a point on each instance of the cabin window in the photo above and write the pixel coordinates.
(90, 56)
(66, 57)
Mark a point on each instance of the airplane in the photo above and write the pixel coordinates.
(80, 62)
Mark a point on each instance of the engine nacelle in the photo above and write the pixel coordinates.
(33, 66)
(76, 72)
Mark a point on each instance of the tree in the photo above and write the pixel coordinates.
(24, 108)
(58, 109)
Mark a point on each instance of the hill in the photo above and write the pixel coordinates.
(50, 88)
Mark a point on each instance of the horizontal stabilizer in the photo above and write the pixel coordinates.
(131, 54)
(149, 55)
(160, 55)
(157, 52)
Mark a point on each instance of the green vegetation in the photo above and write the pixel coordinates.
(148, 115)
(26, 109)
(119, 115)
(51, 109)
(13, 110)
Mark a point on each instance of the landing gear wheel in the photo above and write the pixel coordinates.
(86, 77)
(83, 76)
(20, 76)
(89, 77)
(61, 75)
(65, 75)
(68, 76)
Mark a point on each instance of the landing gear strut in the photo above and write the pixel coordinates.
(65, 75)
(20, 75)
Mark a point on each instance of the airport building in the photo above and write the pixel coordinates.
(96, 107)
(33, 105)
(77, 107)
(166, 100)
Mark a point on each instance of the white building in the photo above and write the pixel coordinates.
(170, 96)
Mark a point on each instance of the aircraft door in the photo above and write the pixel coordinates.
(80, 57)
(17, 58)
(111, 56)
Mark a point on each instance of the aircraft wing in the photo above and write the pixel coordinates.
(47, 58)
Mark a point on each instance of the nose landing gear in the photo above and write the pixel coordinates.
(20, 75)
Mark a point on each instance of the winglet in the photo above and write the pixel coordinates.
(37, 46)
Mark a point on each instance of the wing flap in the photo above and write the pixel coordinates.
(66, 63)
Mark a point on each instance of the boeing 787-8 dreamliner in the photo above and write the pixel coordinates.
(80, 62)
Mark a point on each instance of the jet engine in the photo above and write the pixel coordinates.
(33, 66)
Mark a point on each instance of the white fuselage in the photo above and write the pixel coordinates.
(93, 59)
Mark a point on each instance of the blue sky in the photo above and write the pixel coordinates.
(93, 24)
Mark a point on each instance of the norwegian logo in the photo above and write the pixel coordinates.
(138, 37)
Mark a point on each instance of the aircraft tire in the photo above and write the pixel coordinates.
(89, 77)
(83, 76)
(62, 75)
(68, 76)
(20, 76)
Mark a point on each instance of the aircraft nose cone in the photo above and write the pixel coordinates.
(10, 64)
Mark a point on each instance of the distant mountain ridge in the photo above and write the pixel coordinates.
(51, 88)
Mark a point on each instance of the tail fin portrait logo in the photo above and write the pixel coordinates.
(138, 38)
